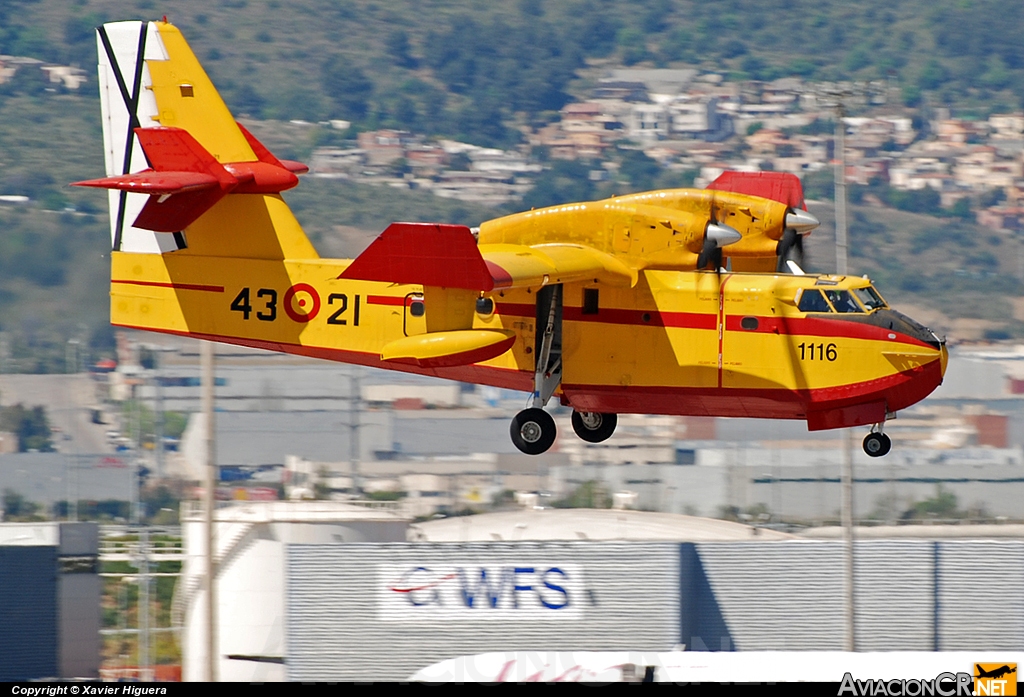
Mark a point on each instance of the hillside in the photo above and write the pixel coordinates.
(475, 69)
(479, 71)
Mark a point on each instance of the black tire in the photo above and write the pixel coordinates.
(533, 431)
(594, 427)
(877, 444)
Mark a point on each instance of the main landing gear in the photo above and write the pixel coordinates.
(593, 427)
(533, 430)
(876, 443)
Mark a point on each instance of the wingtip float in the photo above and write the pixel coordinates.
(664, 302)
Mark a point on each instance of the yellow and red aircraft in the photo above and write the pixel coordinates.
(615, 306)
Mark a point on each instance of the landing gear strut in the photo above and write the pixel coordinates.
(876, 443)
(594, 427)
(533, 430)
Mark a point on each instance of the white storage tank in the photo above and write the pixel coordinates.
(249, 542)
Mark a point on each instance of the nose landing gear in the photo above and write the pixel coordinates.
(876, 443)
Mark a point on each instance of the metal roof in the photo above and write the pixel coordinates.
(586, 524)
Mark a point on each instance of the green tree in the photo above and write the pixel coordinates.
(634, 45)
(587, 495)
(942, 505)
(348, 88)
(30, 426)
(566, 182)
(398, 48)
(15, 506)
(639, 169)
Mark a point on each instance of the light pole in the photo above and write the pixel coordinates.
(850, 643)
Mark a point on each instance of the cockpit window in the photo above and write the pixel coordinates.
(811, 300)
(869, 297)
(842, 301)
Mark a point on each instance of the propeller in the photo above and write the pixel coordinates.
(716, 236)
(799, 224)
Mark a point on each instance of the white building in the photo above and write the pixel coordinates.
(250, 561)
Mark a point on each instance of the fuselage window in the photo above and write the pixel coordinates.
(417, 308)
(811, 300)
(749, 323)
(590, 297)
(842, 301)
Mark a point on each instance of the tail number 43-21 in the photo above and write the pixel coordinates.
(301, 303)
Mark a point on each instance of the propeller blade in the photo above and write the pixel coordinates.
(782, 249)
(794, 268)
(705, 253)
(790, 248)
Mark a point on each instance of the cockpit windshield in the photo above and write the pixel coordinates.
(842, 301)
(811, 300)
(869, 298)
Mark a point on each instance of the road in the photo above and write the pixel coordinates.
(68, 400)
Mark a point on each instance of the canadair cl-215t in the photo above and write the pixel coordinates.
(616, 306)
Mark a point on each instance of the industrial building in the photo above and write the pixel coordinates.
(329, 592)
(49, 601)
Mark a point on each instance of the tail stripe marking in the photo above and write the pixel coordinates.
(131, 103)
(176, 286)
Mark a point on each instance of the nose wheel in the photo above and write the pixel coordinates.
(533, 431)
(877, 444)
(594, 427)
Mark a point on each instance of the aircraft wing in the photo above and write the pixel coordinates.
(447, 256)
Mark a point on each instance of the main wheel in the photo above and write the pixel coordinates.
(877, 444)
(533, 431)
(594, 427)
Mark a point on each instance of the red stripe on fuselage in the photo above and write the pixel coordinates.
(614, 315)
(721, 325)
(175, 286)
(835, 327)
(385, 300)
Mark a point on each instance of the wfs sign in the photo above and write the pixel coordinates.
(473, 591)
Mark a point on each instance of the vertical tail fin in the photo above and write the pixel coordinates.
(162, 114)
(128, 102)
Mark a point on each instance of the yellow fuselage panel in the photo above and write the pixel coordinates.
(673, 330)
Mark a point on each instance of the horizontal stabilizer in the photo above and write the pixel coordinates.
(775, 186)
(173, 213)
(149, 182)
(430, 254)
(451, 348)
(175, 150)
(266, 156)
(185, 180)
